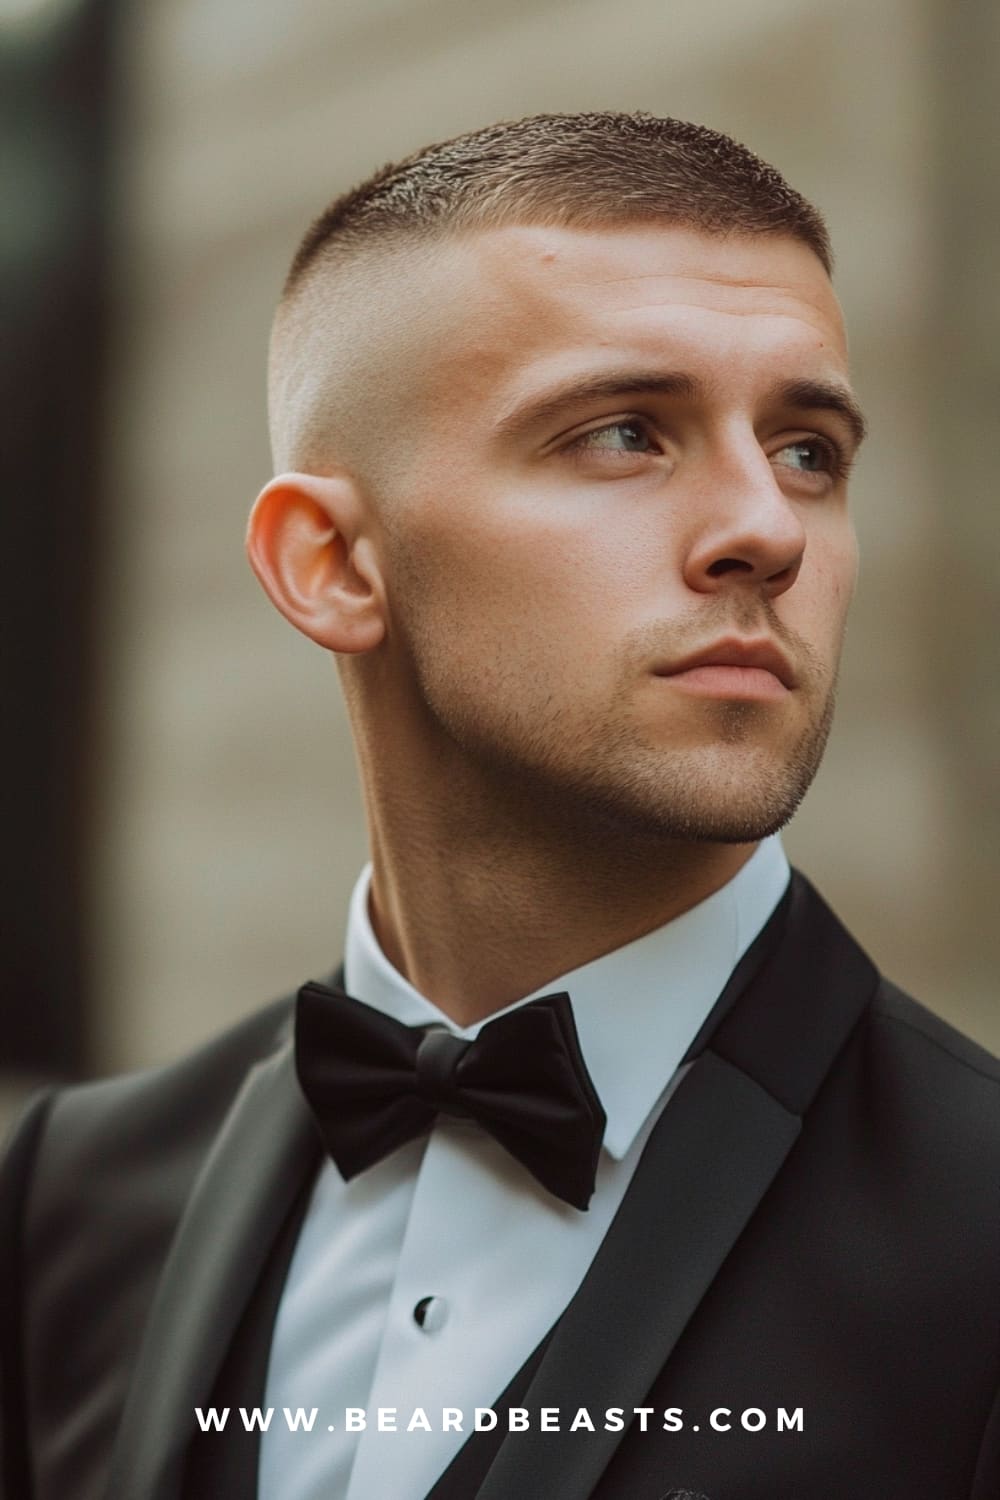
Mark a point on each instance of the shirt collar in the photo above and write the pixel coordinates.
(637, 1009)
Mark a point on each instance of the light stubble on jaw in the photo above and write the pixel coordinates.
(700, 793)
(738, 786)
(726, 792)
(530, 763)
(620, 786)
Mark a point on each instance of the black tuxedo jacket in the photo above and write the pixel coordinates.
(814, 1226)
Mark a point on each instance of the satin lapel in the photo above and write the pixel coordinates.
(258, 1164)
(706, 1167)
(709, 1161)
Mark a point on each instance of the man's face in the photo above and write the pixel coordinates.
(617, 547)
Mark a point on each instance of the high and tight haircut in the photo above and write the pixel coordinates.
(582, 171)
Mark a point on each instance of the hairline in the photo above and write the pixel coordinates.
(352, 250)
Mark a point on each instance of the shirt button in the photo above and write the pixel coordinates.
(430, 1314)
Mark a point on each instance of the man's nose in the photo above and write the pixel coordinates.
(749, 533)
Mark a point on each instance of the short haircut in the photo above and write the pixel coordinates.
(567, 170)
(572, 171)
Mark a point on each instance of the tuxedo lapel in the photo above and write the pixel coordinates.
(250, 1180)
(707, 1165)
(711, 1158)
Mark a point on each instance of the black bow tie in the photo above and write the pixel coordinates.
(373, 1084)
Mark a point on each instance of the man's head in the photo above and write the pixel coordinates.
(567, 402)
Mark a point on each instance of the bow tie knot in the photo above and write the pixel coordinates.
(374, 1084)
(438, 1057)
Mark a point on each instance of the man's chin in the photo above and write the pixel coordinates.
(742, 785)
(730, 794)
(726, 826)
(694, 822)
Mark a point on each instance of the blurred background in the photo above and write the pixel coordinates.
(182, 827)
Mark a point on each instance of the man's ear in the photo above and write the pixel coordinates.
(306, 543)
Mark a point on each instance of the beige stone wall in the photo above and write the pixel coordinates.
(230, 829)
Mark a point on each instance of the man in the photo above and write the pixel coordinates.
(563, 426)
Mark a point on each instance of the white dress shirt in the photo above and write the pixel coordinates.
(455, 1219)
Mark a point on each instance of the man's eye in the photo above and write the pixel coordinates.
(617, 437)
(811, 456)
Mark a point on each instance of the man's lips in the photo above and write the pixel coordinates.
(733, 668)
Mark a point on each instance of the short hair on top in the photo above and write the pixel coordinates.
(568, 170)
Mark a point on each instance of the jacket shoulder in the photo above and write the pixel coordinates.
(94, 1182)
(911, 1023)
(120, 1154)
(172, 1105)
(931, 1098)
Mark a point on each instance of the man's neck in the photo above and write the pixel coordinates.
(477, 928)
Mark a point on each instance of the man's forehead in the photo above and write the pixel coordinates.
(563, 259)
(513, 300)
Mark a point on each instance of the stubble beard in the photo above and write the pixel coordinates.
(736, 781)
(723, 771)
(735, 788)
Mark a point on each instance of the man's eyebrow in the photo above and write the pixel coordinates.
(823, 395)
(810, 395)
(536, 411)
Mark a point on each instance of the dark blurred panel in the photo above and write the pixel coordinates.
(54, 109)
